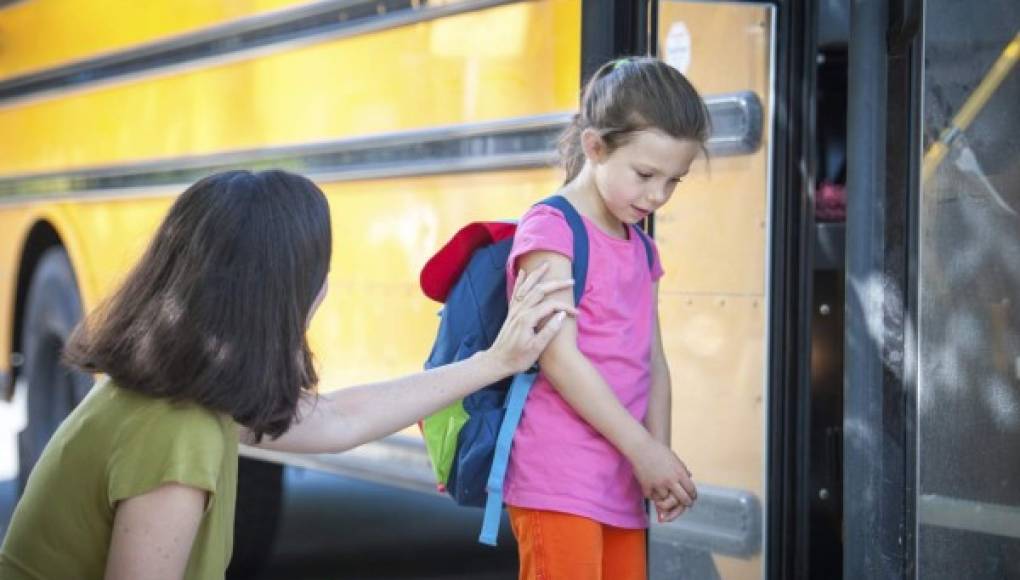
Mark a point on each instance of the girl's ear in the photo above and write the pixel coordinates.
(594, 146)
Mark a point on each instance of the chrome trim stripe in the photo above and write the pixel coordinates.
(514, 144)
(520, 143)
(967, 515)
(398, 460)
(245, 38)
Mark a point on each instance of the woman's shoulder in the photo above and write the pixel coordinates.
(155, 414)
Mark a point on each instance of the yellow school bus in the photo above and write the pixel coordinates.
(417, 116)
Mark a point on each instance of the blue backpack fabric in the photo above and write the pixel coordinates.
(475, 309)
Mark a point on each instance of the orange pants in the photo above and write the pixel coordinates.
(558, 546)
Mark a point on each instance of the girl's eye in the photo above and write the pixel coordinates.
(644, 176)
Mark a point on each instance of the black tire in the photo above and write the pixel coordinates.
(259, 500)
(52, 311)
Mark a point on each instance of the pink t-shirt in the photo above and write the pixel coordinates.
(558, 461)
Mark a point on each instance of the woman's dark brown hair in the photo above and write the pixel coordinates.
(629, 95)
(215, 311)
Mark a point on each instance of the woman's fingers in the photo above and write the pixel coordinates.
(526, 282)
(537, 314)
(545, 336)
(540, 291)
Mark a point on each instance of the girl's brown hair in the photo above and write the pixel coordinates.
(215, 311)
(629, 95)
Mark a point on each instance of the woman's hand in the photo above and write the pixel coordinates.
(528, 328)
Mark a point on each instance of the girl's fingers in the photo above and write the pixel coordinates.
(674, 513)
(688, 485)
(658, 493)
(681, 494)
(667, 504)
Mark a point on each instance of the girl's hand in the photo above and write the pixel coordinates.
(523, 336)
(669, 509)
(664, 479)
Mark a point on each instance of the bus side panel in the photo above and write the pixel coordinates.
(375, 322)
(515, 60)
(40, 35)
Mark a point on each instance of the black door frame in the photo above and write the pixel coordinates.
(880, 383)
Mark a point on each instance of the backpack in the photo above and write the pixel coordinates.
(468, 442)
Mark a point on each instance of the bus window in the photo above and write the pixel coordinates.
(968, 415)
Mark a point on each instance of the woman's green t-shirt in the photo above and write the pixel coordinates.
(119, 444)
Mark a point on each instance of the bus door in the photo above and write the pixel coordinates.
(932, 380)
(714, 305)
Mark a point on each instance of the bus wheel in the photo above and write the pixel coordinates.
(53, 309)
(259, 499)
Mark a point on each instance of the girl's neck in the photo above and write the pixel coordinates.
(584, 195)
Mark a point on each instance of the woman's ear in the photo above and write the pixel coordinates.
(594, 146)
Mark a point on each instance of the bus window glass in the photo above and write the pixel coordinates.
(968, 422)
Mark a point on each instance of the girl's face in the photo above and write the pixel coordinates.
(638, 177)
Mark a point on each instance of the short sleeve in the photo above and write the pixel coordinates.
(542, 228)
(179, 445)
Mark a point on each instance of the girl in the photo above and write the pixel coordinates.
(593, 441)
(203, 346)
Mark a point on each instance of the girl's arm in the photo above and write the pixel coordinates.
(660, 398)
(153, 533)
(658, 469)
(349, 417)
(660, 412)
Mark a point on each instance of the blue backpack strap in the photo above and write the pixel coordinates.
(648, 246)
(521, 385)
(580, 262)
(515, 399)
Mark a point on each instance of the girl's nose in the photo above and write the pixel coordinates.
(658, 196)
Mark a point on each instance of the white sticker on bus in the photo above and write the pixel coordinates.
(678, 47)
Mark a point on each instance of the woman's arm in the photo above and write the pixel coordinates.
(153, 533)
(350, 417)
(657, 468)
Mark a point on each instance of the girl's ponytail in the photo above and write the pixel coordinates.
(571, 153)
